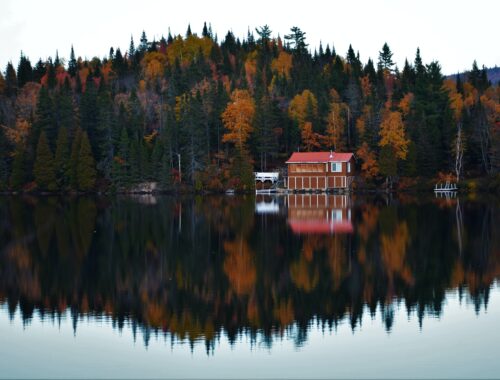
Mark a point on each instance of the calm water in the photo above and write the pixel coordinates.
(277, 287)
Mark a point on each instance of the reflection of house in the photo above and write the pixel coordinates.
(319, 213)
(265, 204)
(320, 170)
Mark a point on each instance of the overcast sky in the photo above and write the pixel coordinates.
(453, 32)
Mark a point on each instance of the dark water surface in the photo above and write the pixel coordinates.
(229, 286)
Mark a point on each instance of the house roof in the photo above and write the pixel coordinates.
(301, 157)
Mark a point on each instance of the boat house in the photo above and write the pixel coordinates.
(320, 171)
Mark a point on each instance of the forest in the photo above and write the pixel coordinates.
(192, 113)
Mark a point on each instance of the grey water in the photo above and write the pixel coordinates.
(294, 286)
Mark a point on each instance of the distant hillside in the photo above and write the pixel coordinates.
(493, 75)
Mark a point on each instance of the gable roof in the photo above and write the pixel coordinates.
(305, 157)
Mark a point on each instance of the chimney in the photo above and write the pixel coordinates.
(331, 154)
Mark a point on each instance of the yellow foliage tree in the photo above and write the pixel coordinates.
(238, 117)
(153, 65)
(302, 107)
(392, 133)
(187, 49)
(282, 64)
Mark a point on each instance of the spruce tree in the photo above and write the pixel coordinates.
(385, 61)
(61, 160)
(72, 64)
(18, 175)
(24, 71)
(120, 174)
(10, 80)
(43, 169)
(4, 164)
(44, 117)
(86, 171)
(74, 158)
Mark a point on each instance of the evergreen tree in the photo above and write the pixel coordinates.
(4, 163)
(74, 159)
(18, 175)
(39, 71)
(44, 118)
(297, 39)
(62, 159)
(10, 80)
(120, 166)
(385, 61)
(86, 172)
(51, 74)
(72, 64)
(204, 32)
(43, 169)
(24, 71)
(143, 46)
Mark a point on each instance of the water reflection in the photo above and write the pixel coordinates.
(191, 268)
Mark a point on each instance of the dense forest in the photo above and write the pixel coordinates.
(192, 112)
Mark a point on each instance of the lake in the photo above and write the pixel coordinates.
(294, 286)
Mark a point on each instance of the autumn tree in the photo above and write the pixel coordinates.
(369, 165)
(238, 118)
(393, 143)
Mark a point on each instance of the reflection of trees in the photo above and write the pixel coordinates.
(193, 267)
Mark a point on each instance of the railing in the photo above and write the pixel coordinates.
(448, 186)
(267, 176)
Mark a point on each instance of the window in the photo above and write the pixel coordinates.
(348, 167)
(336, 167)
(336, 215)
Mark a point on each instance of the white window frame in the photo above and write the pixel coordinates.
(336, 167)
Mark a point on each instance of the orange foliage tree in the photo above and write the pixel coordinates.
(238, 117)
(392, 133)
(369, 166)
(282, 64)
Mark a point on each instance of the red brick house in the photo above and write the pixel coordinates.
(320, 171)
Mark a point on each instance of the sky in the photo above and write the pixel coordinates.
(453, 32)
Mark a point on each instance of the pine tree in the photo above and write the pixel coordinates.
(74, 158)
(72, 64)
(44, 117)
(10, 80)
(120, 166)
(61, 160)
(385, 61)
(4, 164)
(39, 71)
(24, 71)
(143, 46)
(18, 175)
(86, 172)
(43, 169)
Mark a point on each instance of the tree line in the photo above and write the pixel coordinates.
(192, 111)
